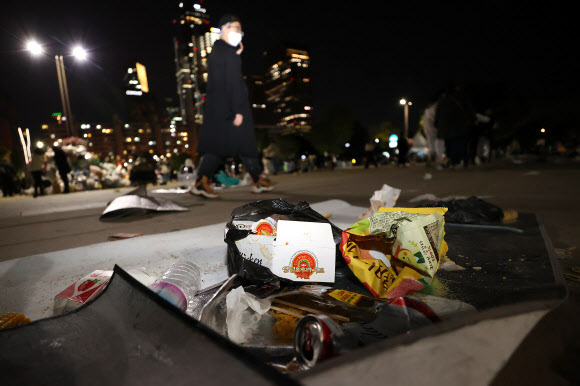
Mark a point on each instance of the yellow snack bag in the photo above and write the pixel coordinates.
(396, 251)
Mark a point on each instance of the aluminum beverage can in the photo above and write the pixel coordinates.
(318, 337)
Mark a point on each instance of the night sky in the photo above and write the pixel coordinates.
(364, 54)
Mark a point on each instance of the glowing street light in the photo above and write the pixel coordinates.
(79, 52)
(406, 103)
(34, 47)
(543, 130)
(39, 144)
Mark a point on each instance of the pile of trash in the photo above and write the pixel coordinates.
(87, 171)
(300, 289)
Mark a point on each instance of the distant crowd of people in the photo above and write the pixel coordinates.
(454, 129)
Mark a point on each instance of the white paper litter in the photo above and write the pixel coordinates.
(386, 197)
(244, 313)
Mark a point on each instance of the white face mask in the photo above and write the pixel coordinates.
(234, 38)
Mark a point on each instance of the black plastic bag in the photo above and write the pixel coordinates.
(258, 210)
(472, 210)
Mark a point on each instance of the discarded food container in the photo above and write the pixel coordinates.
(255, 264)
(301, 251)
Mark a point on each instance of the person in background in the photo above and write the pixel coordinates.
(435, 144)
(228, 127)
(62, 165)
(143, 170)
(165, 172)
(403, 146)
(272, 155)
(8, 177)
(453, 119)
(36, 167)
(370, 154)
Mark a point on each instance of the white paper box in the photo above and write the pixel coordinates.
(301, 251)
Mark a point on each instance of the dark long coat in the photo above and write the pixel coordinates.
(227, 95)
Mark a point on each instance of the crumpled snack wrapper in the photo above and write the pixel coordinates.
(244, 311)
(386, 197)
(396, 251)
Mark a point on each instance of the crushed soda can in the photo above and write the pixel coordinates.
(317, 338)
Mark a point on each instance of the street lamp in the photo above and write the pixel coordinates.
(406, 103)
(79, 53)
(34, 47)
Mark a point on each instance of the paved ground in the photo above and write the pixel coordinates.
(30, 226)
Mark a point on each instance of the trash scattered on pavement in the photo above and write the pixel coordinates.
(396, 251)
(226, 180)
(318, 337)
(122, 236)
(178, 284)
(137, 202)
(303, 248)
(472, 210)
(291, 250)
(82, 291)
(386, 197)
(244, 312)
(12, 319)
(178, 190)
(89, 286)
(446, 264)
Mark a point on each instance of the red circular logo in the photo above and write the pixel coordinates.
(265, 229)
(303, 265)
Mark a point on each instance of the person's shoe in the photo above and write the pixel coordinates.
(263, 185)
(202, 188)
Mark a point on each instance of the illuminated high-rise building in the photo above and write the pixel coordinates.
(192, 43)
(288, 89)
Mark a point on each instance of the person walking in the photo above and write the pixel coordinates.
(435, 144)
(36, 167)
(453, 118)
(228, 127)
(62, 165)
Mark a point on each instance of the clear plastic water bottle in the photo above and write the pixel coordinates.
(179, 284)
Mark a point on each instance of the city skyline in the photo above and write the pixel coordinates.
(367, 58)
